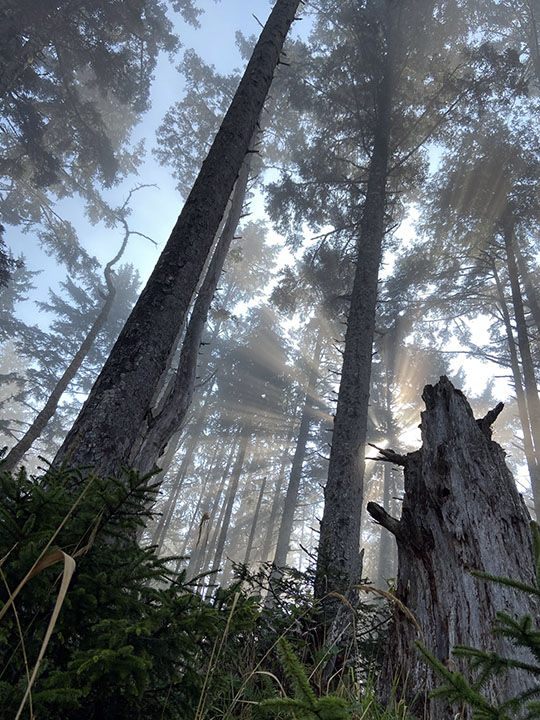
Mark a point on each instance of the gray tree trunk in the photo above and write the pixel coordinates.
(231, 495)
(178, 397)
(276, 504)
(254, 523)
(461, 512)
(41, 420)
(104, 434)
(291, 497)
(528, 445)
(339, 558)
(529, 377)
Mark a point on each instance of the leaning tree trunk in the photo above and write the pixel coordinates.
(42, 419)
(104, 434)
(162, 425)
(461, 512)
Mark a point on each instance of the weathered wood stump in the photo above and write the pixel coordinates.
(461, 511)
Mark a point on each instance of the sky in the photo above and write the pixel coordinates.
(155, 209)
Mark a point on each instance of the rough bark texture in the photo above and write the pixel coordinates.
(339, 557)
(107, 427)
(160, 427)
(461, 512)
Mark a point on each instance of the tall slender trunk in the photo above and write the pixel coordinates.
(161, 530)
(254, 523)
(339, 557)
(162, 527)
(276, 503)
(41, 420)
(529, 379)
(179, 394)
(231, 495)
(291, 498)
(530, 455)
(107, 428)
(530, 292)
(213, 524)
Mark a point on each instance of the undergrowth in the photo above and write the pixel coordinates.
(133, 638)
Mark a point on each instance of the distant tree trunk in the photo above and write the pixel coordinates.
(529, 377)
(291, 498)
(215, 522)
(107, 428)
(231, 495)
(254, 524)
(168, 510)
(274, 511)
(41, 420)
(178, 396)
(161, 530)
(461, 511)
(528, 445)
(339, 558)
(530, 292)
(385, 565)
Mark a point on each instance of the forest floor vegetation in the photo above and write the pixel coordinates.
(92, 625)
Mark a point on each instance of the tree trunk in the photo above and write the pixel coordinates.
(530, 291)
(530, 456)
(529, 377)
(339, 559)
(104, 434)
(216, 522)
(231, 495)
(291, 498)
(254, 523)
(41, 420)
(461, 512)
(276, 503)
(178, 397)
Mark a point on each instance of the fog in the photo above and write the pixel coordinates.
(388, 236)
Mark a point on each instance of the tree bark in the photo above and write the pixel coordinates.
(339, 558)
(461, 512)
(179, 395)
(104, 434)
(529, 378)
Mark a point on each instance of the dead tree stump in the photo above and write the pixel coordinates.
(461, 512)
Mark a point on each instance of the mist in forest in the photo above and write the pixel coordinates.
(244, 289)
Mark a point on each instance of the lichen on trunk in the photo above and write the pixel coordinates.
(461, 512)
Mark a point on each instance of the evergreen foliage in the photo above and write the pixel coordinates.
(524, 632)
(305, 705)
(131, 638)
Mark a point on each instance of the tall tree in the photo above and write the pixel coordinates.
(119, 401)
